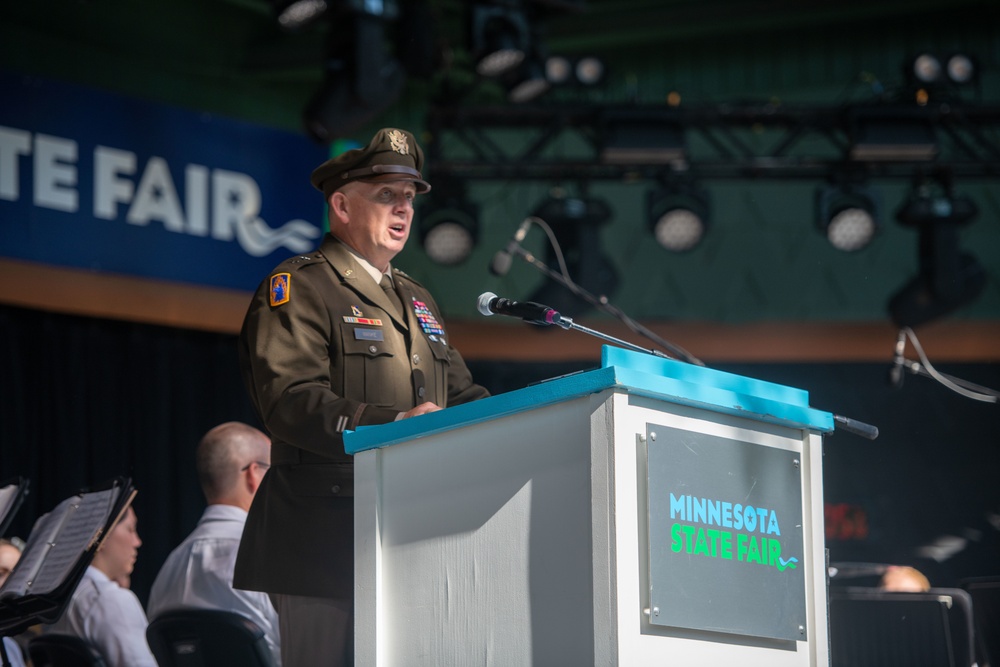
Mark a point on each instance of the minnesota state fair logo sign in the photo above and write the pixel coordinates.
(726, 542)
(730, 531)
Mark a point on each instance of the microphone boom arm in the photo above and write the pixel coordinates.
(602, 303)
(568, 323)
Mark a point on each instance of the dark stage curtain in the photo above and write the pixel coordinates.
(85, 400)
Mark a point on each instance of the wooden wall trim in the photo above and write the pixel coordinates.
(118, 297)
(102, 295)
(757, 342)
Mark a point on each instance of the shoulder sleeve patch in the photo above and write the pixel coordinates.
(281, 289)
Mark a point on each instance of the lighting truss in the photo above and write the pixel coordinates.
(723, 141)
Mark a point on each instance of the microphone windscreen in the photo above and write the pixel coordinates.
(483, 304)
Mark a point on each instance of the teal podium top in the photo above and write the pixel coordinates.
(628, 372)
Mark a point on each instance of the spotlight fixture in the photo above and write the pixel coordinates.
(947, 278)
(500, 37)
(558, 70)
(926, 68)
(961, 69)
(678, 216)
(934, 71)
(848, 215)
(576, 224)
(589, 70)
(561, 70)
(295, 15)
(527, 81)
(360, 81)
(449, 226)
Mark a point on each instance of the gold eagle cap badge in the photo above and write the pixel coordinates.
(398, 142)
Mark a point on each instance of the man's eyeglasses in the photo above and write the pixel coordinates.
(262, 464)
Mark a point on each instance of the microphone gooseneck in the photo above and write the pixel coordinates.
(896, 370)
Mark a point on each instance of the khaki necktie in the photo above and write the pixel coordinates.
(390, 292)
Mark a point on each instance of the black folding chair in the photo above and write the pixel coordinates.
(55, 650)
(207, 638)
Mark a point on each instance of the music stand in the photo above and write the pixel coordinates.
(871, 627)
(985, 592)
(59, 549)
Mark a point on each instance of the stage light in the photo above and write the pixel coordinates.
(500, 37)
(948, 278)
(526, 82)
(558, 70)
(935, 73)
(589, 70)
(926, 68)
(294, 15)
(449, 225)
(961, 69)
(678, 216)
(848, 215)
(361, 79)
(576, 224)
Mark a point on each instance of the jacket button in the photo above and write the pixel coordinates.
(416, 359)
(335, 489)
(421, 391)
(372, 349)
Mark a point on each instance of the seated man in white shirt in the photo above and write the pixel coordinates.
(231, 461)
(102, 612)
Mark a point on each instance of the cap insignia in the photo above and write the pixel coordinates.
(398, 142)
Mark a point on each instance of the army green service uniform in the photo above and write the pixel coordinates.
(331, 355)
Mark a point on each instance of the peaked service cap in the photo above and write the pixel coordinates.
(391, 155)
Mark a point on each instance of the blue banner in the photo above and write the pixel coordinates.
(98, 181)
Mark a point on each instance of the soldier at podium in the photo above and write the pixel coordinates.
(334, 340)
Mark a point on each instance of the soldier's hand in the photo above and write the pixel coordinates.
(421, 409)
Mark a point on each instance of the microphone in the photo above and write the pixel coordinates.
(896, 370)
(502, 260)
(529, 311)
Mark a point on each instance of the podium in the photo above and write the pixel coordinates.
(648, 512)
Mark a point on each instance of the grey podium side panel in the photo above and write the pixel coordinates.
(486, 543)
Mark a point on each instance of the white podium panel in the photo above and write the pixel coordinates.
(517, 530)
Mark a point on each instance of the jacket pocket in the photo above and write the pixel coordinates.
(369, 365)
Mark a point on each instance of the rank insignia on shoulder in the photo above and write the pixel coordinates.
(281, 284)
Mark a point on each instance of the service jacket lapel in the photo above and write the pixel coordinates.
(355, 277)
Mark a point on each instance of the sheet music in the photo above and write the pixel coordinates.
(57, 541)
(7, 496)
